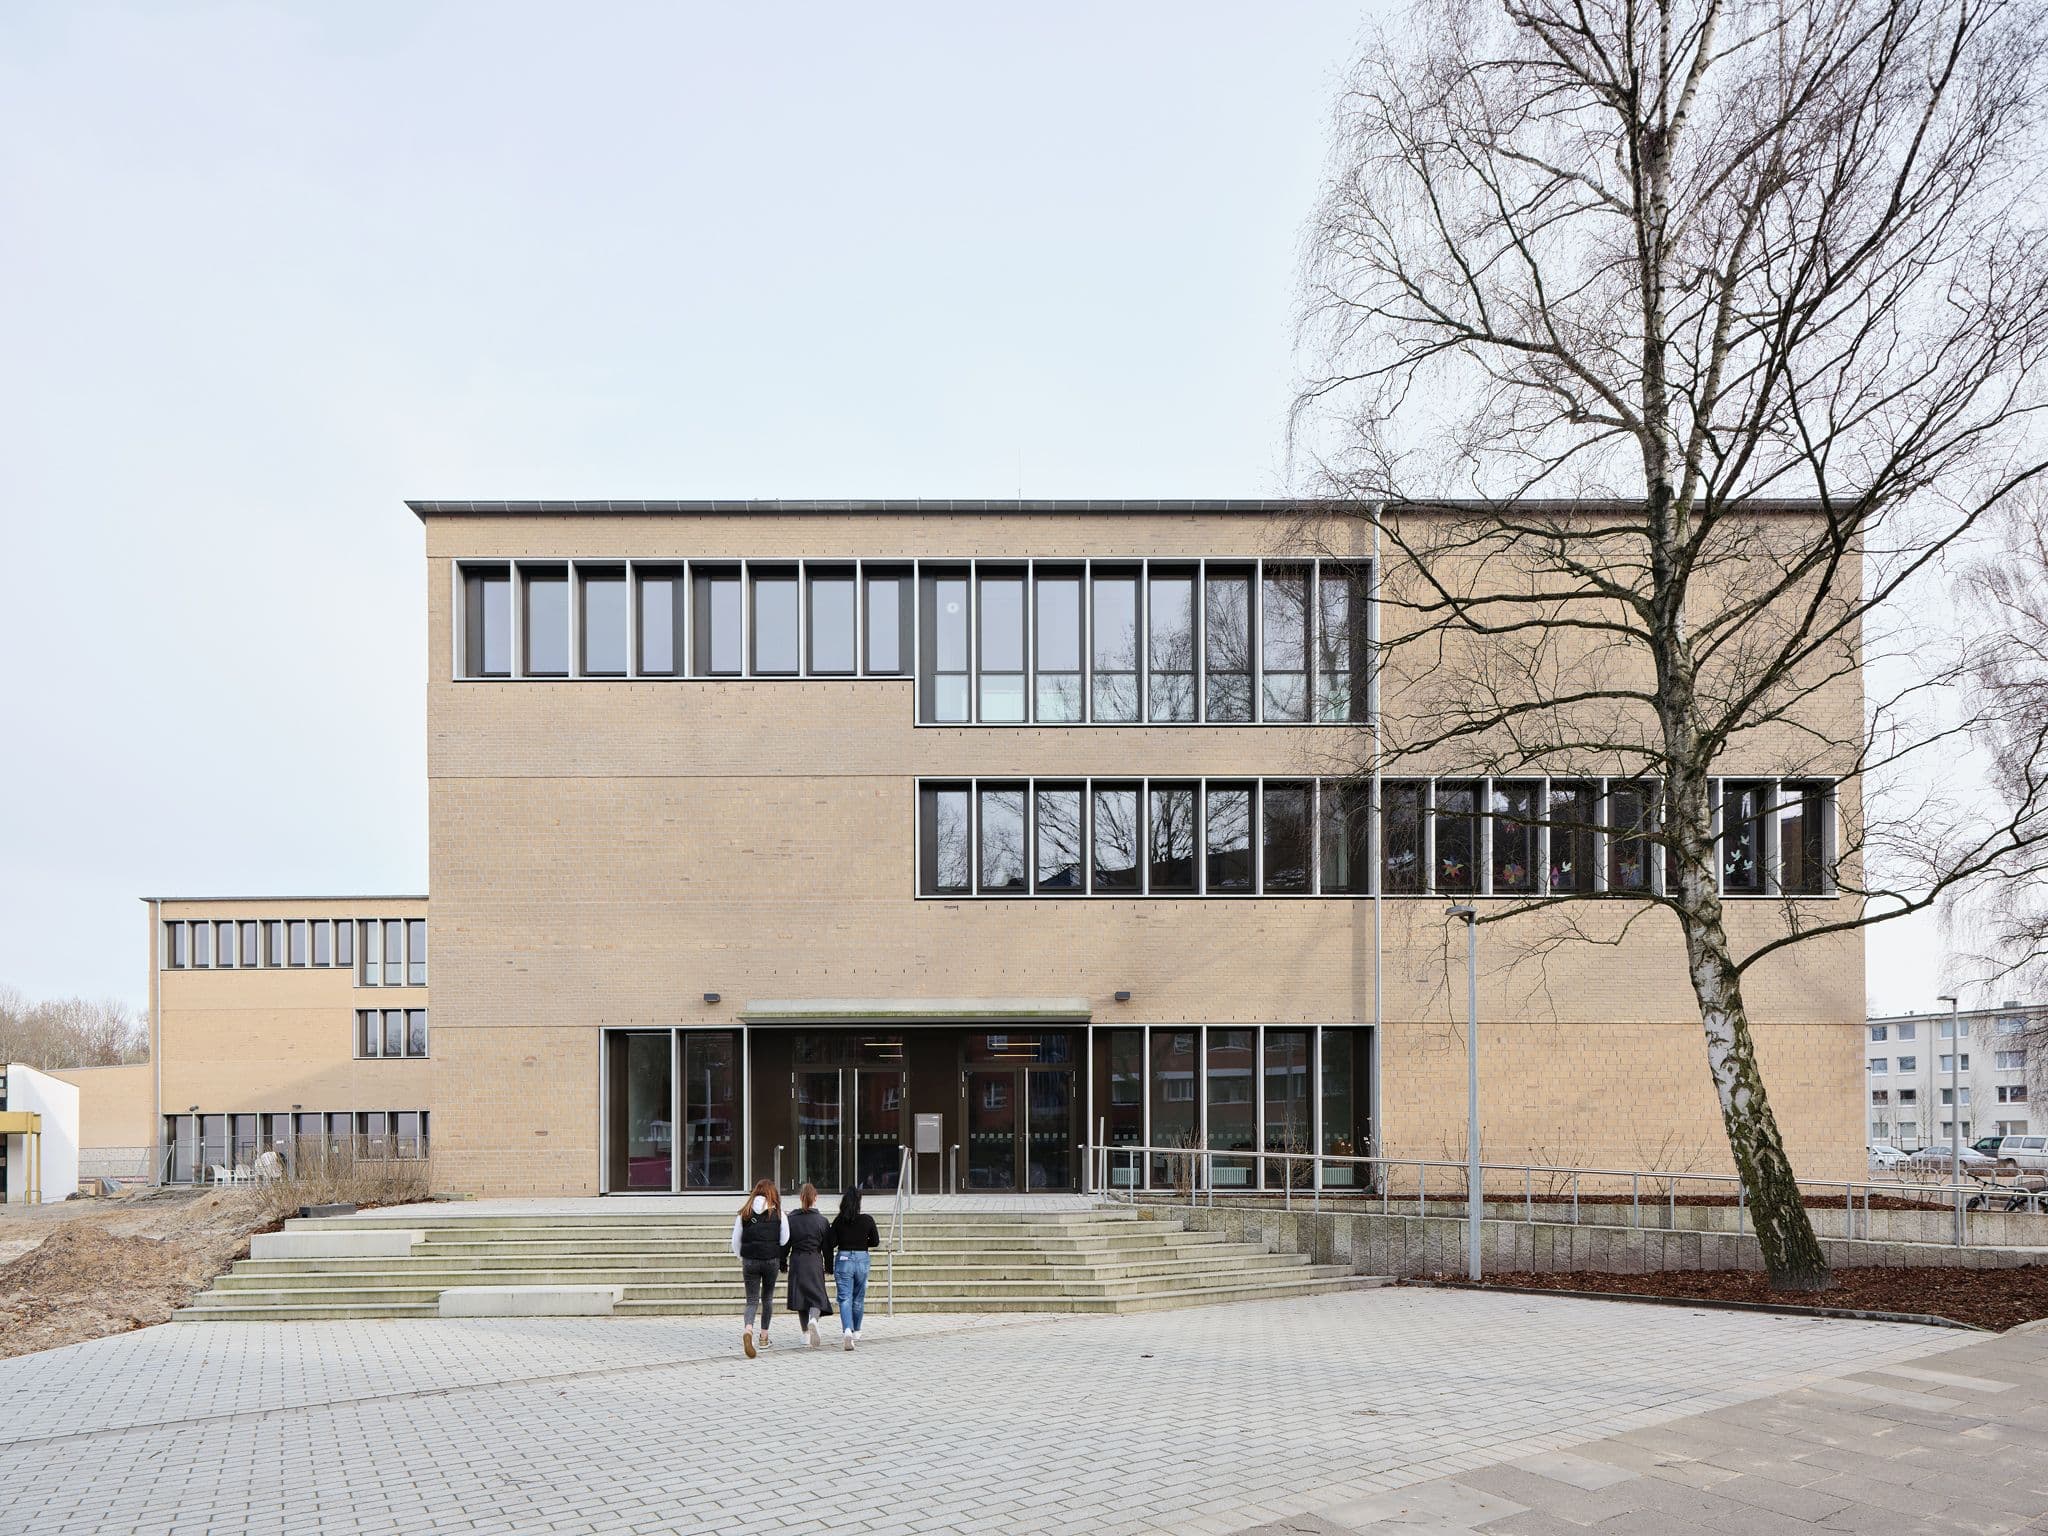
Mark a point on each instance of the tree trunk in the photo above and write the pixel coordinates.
(1791, 1253)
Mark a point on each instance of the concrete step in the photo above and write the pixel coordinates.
(244, 1279)
(476, 1244)
(1297, 1284)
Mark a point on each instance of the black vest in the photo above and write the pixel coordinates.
(761, 1236)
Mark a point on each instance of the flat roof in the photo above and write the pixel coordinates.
(1168, 507)
(331, 896)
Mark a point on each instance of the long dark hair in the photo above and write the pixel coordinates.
(849, 1204)
(766, 1190)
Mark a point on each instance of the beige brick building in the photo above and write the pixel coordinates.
(771, 838)
(282, 1023)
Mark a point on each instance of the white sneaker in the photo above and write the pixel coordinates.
(811, 1334)
(845, 1340)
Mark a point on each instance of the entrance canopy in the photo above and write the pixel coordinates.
(915, 1010)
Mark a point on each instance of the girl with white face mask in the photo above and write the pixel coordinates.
(760, 1238)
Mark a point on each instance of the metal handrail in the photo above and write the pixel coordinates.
(1200, 1167)
(896, 1214)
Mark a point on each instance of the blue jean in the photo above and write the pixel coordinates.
(850, 1283)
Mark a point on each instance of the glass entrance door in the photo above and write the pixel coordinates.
(991, 1122)
(819, 1124)
(1049, 1132)
(878, 1138)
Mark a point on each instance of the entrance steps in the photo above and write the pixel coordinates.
(1110, 1260)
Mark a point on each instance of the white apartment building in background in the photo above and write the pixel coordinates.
(1907, 1075)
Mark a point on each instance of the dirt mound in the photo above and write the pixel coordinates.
(86, 1279)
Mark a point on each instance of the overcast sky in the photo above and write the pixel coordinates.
(269, 271)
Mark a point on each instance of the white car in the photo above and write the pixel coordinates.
(2030, 1153)
(1886, 1158)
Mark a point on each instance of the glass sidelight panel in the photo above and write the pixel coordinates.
(819, 1123)
(1174, 1103)
(878, 1137)
(1120, 1099)
(649, 1130)
(1049, 1130)
(711, 1110)
(1289, 1107)
(992, 1129)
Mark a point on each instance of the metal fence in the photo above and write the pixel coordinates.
(1407, 1185)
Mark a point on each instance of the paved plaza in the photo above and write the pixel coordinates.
(1390, 1410)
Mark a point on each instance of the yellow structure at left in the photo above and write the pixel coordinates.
(21, 1122)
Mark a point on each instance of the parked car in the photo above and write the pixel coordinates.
(1885, 1157)
(2030, 1152)
(1988, 1145)
(1936, 1160)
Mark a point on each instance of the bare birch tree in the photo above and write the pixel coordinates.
(1670, 348)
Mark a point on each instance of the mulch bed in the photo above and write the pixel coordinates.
(1984, 1298)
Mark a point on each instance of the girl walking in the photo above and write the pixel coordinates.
(808, 1237)
(760, 1236)
(852, 1235)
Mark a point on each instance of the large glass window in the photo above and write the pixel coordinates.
(833, 623)
(1232, 1070)
(1061, 870)
(1120, 1099)
(323, 942)
(1002, 646)
(344, 942)
(1344, 1107)
(394, 952)
(1631, 822)
(1057, 596)
(943, 833)
(717, 640)
(224, 944)
(1227, 819)
(1227, 643)
(1002, 841)
(943, 666)
(1290, 1109)
(373, 954)
(177, 946)
(1118, 839)
(1283, 643)
(661, 621)
(1343, 643)
(1172, 839)
(604, 621)
(888, 635)
(273, 943)
(1175, 1103)
(248, 944)
(1170, 615)
(1571, 837)
(1401, 802)
(296, 931)
(487, 622)
(1287, 841)
(1743, 803)
(1512, 808)
(202, 945)
(1347, 838)
(1802, 831)
(1114, 613)
(775, 620)
(711, 1110)
(416, 951)
(1455, 826)
(545, 618)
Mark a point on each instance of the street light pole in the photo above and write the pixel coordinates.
(1475, 1199)
(1955, 1109)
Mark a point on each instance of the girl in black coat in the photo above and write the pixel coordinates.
(809, 1235)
